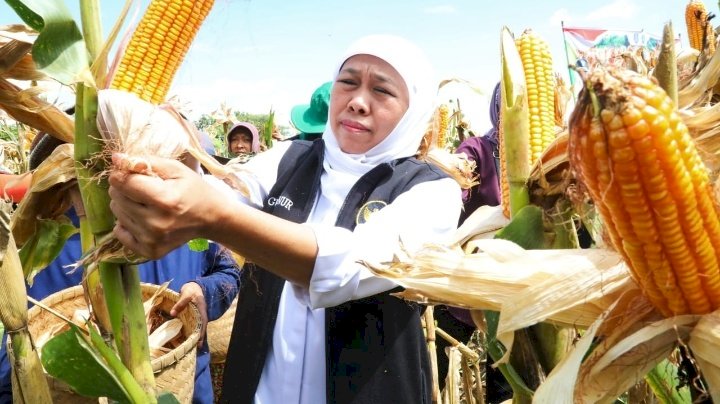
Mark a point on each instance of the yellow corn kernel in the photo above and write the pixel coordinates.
(700, 32)
(540, 82)
(443, 125)
(158, 46)
(504, 184)
(639, 165)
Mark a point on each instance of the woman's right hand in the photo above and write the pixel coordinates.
(157, 213)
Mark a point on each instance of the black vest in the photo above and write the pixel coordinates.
(375, 347)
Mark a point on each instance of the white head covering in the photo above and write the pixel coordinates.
(413, 66)
(342, 170)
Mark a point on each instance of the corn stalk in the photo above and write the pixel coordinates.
(120, 285)
(27, 372)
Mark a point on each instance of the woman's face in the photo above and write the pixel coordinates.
(240, 142)
(368, 100)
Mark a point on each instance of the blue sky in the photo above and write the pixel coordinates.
(254, 54)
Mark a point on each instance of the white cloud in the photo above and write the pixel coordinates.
(441, 9)
(618, 9)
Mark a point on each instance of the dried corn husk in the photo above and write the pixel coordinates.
(484, 222)
(568, 287)
(150, 305)
(24, 106)
(632, 338)
(47, 196)
(165, 333)
(705, 345)
(457, 166)
(694, 91)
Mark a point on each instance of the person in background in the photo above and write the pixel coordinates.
(310, 119)
(313, 325)
(484, 151)
(210, 279)
(243, 141)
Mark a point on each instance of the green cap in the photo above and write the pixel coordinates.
(312, 118)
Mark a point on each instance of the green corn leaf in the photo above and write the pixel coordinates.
(526, 229)
(70, 358)
(27, 15)
(167, 398)
(59, 51)
(44, 246)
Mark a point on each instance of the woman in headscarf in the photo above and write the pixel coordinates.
(243, 141)
(312, 324)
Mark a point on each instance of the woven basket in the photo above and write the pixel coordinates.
(174, 371)
(218, 334)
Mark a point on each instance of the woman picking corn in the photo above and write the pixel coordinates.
(312, 324)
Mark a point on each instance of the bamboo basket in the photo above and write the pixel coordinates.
(174, 371)
(218, 337)
(218, 334)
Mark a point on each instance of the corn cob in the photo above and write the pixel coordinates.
(631, 150)
(540, 81)
(157, 47)
(700, 31)
(444, 120)
(504, 184)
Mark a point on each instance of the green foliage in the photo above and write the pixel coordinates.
(70, 358)
(44, 246)
(167, 398)
(217, 129)
(526, 229)
(267, 130)
(59, 51)
(198, 244)
(14, 157)
(27, 15)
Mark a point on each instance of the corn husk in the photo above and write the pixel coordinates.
(139, 128)
(705, 345)
(567, 287)
(150, 305)
(27, 374)
(694, 90)
(47, 196)
(165, 333)
(456, 165)
(484, 222)
(26, 107)
(631, 339)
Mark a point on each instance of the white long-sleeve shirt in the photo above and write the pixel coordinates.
(294, 370)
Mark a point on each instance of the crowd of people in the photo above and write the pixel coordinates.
(312, 325)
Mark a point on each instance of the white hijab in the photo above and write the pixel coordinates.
(413, 66)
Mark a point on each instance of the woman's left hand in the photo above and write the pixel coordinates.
(191, 292)
(159, 212)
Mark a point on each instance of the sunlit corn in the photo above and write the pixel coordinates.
(699, 29)
(158, 46)
(504, 184)
(634, 155)
(540, 81)
(443, 125)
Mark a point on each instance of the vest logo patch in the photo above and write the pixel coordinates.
(367, 210)
(282, 201)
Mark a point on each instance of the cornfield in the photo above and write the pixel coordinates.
(597, 279)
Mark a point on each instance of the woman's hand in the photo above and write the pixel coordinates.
(158, 213)
(192, 292)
